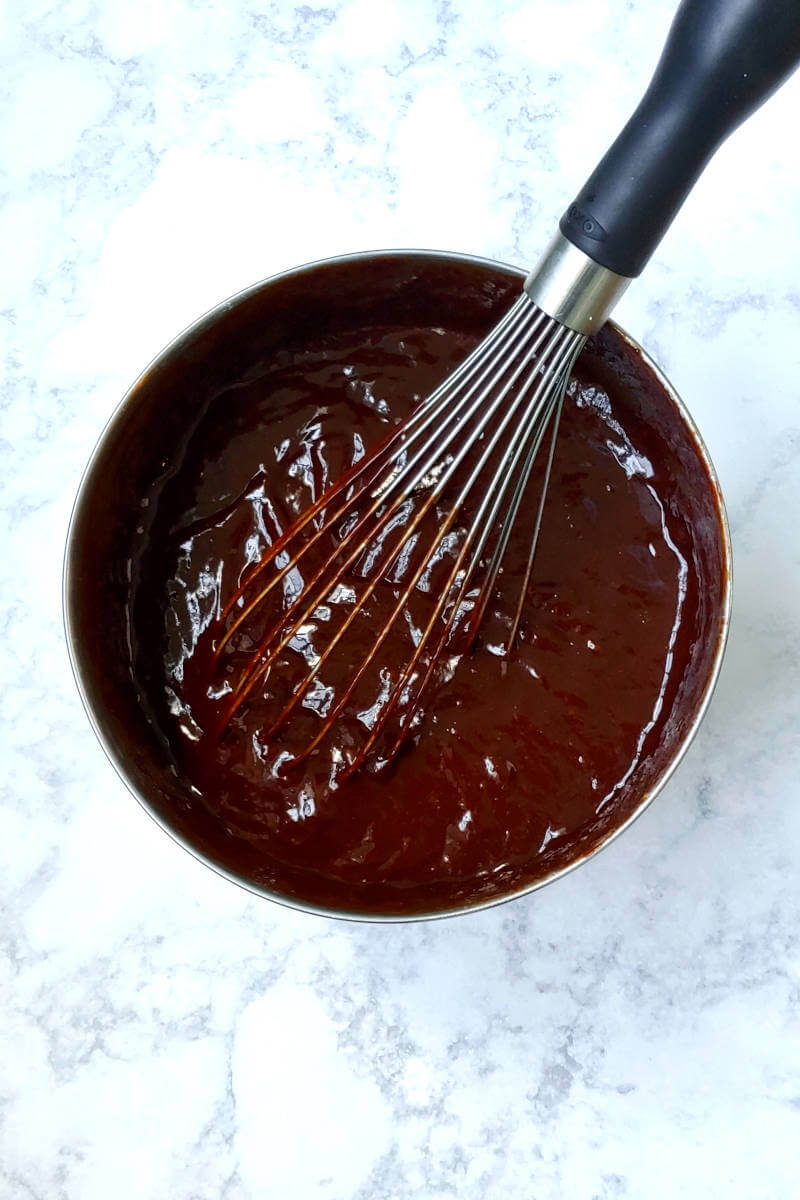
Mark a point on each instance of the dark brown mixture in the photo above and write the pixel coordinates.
(520, 765)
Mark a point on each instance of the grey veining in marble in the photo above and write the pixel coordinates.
(633, 1031)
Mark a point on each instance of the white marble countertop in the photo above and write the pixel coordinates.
(634, 1030)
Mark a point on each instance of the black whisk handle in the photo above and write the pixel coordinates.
(722, 59)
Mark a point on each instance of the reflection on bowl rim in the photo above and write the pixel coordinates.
(173, 347)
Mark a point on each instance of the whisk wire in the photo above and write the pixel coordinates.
(532, 331)
(406, 534)
(537, 525)
(510, 387)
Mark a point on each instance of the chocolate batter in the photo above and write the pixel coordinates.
(519, 765)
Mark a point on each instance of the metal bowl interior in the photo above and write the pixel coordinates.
(149, 428)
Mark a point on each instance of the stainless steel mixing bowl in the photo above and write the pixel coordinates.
(146, 429)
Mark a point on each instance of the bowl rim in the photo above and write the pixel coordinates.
(173, 347)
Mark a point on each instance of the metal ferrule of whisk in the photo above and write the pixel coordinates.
(572, 288)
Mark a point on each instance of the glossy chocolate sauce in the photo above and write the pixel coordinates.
(519, 766)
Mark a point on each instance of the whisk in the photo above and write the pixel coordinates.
(430, 510)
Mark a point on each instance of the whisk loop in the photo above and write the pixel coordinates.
(444, 487)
